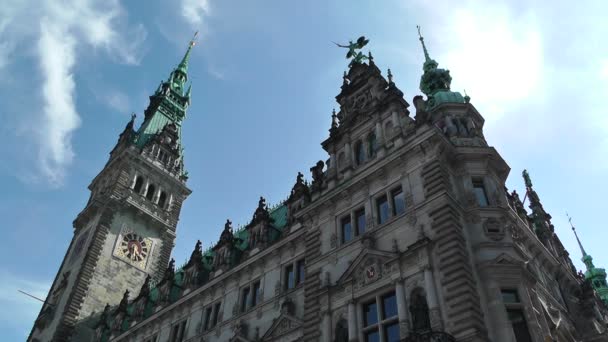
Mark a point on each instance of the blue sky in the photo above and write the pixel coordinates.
(264, 76)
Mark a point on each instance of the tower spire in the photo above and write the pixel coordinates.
(183, 65)
(576, 235)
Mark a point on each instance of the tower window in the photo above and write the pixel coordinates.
(178, 332)
(289, 277)
(207, 317)
(139, 182)
(372, 144)
(245, 299)
(360, 217)
(398, 199)
(150, 192)
(162, 199)
(255, 294)
(359, 153)
(479, 190)
(515, 315)
(347, 229)
(300, 271)
(383, 211)
(216, 314)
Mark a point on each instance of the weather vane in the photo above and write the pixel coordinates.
(357, 57)
(193, 40)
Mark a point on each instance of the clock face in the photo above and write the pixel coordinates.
(134, 249)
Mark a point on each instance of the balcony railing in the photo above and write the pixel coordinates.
(429, 336)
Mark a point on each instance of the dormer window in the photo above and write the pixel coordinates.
(150, 192)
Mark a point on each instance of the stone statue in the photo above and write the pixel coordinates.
(341, 331)
(420, 313)
(317, 175)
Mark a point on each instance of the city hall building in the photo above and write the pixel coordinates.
(405, 233)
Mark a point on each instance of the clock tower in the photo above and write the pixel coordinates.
(126, 231)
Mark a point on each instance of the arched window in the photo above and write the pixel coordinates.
(419, 310)
(139, 182)
(359, 153)
(150, 192)
(372, 144)
(162, 199)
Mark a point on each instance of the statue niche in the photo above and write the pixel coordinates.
(419, 310)
(341, 331)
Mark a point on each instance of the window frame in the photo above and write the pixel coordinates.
(517, 306)
(479, 183)
(394, 192)
(293, 265)
(384, 197)
(343, 224)
(178, 330)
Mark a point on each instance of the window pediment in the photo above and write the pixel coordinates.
(368, 267)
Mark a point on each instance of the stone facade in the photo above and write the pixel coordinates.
(407, 232)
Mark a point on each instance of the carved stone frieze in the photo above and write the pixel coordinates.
(494, 229)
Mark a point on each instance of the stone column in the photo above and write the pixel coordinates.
(404, 326)
(381, 151)
(397, 123)
(145, 188)
(349, 154)
(352, 322)
(327, 326)
(431, 297)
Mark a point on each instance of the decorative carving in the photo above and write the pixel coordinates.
(333, 240)
(493, 229)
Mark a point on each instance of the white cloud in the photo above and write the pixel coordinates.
(496, 55)
(60, 31)
(57, 56)
(194, 11)
(117, 101)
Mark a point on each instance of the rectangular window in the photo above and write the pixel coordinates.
(398, 198)
(347, 230)
(207, 317)
(245, 298)
(509, 296)
(300, 269)
(255, 295)
(360, 217)
(216, 314)
(480, 192)
(383, 212)
(289, 277)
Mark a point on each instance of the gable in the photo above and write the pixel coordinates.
(282, 327)
(369, 266)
